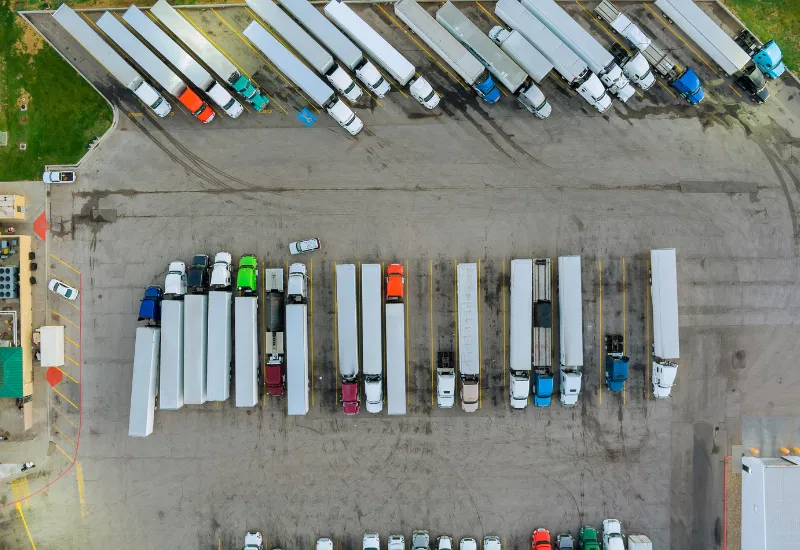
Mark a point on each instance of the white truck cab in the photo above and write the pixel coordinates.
(424, 93)
(325, 544)
(297, 286)
(612, 535)
(253, 541)
(373, 79)
(534, 102)
(570, 386)
(373, 388)
(224, 99)
(344, 84)
(467, 543)
(396, 542)
(372, 541)
(491, 542)
(221, 271)
(664, 375)
(520, 389)
(345, 116)
(153, 99)
(175, 282)
(446, 388)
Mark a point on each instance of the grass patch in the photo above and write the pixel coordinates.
(777, 20)
(63, 113)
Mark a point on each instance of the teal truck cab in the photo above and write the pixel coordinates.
(616, 363)
(767, 57)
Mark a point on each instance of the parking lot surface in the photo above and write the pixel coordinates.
(467, 182)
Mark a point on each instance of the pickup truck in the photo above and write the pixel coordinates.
(59, 177)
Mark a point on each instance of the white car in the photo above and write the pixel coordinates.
(59, 177)
(396, 542)
(301, 247)
(63, 289)
(325, 544)
(372, 541)
(175, 283)
(444, 543)
(492, 542)
(467, 544)
(253, 541)
(612, 535)
(221, 271)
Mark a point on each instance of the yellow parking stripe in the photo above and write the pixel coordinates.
(63, 434)
(490, 14)
(65, 263)
(74, 343)
(63, 452)
(67, 375)
(71, 360)
(25, 524)
(65, 417)
(57, 314)
(81, 496)
(667, 89)
(64, 397)
(734, 90)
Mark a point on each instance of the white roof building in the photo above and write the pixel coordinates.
(770, 503)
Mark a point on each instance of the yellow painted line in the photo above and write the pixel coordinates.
(65, 435)
(734, 90)
(600, 338)
(180, 106)
(67, 375)
(408, 349)
(57, 314)
(399, 89)
(430, 299)
(624, 328)
(490, 14)
(25, 524)
(263, 290)
(335, 332)
(64, 397)
(480, 341)
(262, 56)
(503, 301)
(81, 495)
(392, 19)
(74, 343)
(700, 57)
(71, 360)
(68, 302)
(564, 84)
(65, 417)
(229, 57)
(311, 313)
(667, 89)
(63, 452)
(609, 33)
(648, 346)
(135, 114)
(20, 490)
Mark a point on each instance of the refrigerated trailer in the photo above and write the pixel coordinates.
(666, 337)
(111, 60)
(347, 334)
(372, 335)
(314, 54)
(448, 48)
(598, 59)
(520, 336)
(468, 335)
(144, 381)
(570, 306)
(170, 380)
(182, 61)
(338, 44)
(297, 359)
(246, 350)
(302, 77)
(220, 346)
(210, 55)
(542, 333)
(528, 32)
(195, 348)
(156, 68)
(503, 68)
(395, 358)
(382, 52)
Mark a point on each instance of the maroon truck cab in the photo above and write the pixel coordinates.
(350, 397)
(275, 375)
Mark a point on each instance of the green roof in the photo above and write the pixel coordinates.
(11, 372)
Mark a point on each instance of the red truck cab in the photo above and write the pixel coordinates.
(275, 375)
(197, 106)
(350, 397)
(395, 281)
(540, 540)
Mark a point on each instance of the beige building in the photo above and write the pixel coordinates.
(12, 207)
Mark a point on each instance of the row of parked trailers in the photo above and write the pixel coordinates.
(193, 343)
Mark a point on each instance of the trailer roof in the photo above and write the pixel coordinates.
(521, 329)
(325, 31)
(170, 378)
(144, 381)
(347, 319)
(220, 345)
(246, 358)
(395, 359)
(294, 69)
(371, 319)
(664, 281)
(296, 359)
(570, 302)
(195, 355)
(468, 337)
(96, 46)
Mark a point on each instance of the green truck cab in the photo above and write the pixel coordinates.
(247, 276)
(587, 538)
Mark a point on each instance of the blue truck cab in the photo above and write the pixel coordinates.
(542, 387)
(689, 86)
(616, 372)
(488, 91)
(769, 59)
(150, 308)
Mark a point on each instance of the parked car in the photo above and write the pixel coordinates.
(150, 308)
(492, 542)
(467, 543)
(221, 271)
(540, 539)
(396, 542)
(301, 247)
(198, 273)
(63, 289)
(444, 543)
(253, 541)
(420, 540)
(64, 176)
(612, 535)
(247, 276)
(175, 283)
(372, 541)
(325, 544)
(588, 539)
(564, 541)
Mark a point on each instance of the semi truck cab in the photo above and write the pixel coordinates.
(395, 281)
(616, 363)
(542, 387)
(689, 86)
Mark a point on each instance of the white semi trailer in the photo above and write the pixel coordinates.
(503, 68)
(666, 338)
(521, 332)
(528, 32)
(111, 60)
(338, 44)
(144, 382)
(347, 335)
(220, 345)
(599, 60)
(297, 359)
(246, 350)
(171, 363)
(317, 91)
(195, 348)
(306, 46)
(395, 358)
(468, 335)
(382, 52)
(372, 335)
(185, 63)
(570, 305)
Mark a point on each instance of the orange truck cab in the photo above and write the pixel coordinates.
(196, 106)
(395, 279)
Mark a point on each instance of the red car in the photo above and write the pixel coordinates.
(540, 540)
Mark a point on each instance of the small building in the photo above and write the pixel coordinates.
(12, 207)
(11, 374)
(771, 503)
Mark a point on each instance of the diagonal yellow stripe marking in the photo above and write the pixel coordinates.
(65, 417)
(490, 14)
(64, 397)
(67, 375)
(63, 434)
(63, 452)
(71, 360)
(56, 258)
(25, 523)
(67, 319)
(682, 40)
(74, 343)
